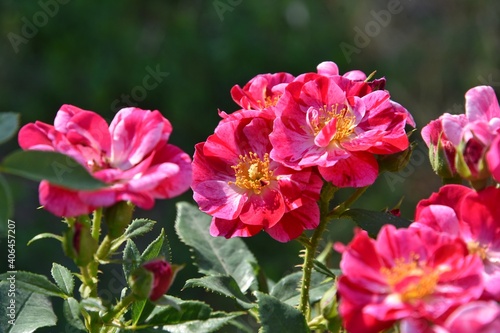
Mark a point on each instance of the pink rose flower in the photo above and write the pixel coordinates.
(132, 156)
(473, 317)
(472, 216)
(404, 273)
(323, 122)
(262, 91)
(471, 140)
(244, 189)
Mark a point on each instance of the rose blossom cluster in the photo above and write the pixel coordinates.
(265, 164)
(467, 145)
(131, 156)
(442, 274)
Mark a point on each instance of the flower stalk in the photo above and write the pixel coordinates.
(310, 247)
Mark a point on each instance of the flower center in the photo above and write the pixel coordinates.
(252, 173)
(477, 248)
(338, 115)
(411, 280)
(268, 102)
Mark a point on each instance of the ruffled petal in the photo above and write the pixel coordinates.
(358, 170)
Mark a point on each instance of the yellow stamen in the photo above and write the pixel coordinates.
(426, 279)
(268, 102)
(252, 173)
(476, 248)
(345, 120)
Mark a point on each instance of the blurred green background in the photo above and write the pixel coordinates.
(93, 55)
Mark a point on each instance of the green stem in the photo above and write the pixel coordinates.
(310, 247)
(103, 252)
(348, 203)
(117, 310)
(88, 282)
(96, 224)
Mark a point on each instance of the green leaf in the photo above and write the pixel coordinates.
(6, 204)
(205, 326)
(34, 282)
(141, 310)
(323, 269)
(54, 167)
(139, 227)
(45, 235)
(215, 255)
(189, 310)
(63, 278)
(92, 304)
(72, 313)
(372, 221)
(32, 310)
(131, 258)
(9, 123)
(158, 248)
(287, 289)
(224, 285)
(277, 316)
(166, 300)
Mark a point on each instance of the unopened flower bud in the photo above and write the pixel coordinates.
(153, 279)
(395, 162)
(78, 243)
(118, 217)
(471, 160)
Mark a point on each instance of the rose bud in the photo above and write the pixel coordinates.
(153, 279)
(78, 243)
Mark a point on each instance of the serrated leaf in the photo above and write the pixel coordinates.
(54, 167)
(189, 310)
(158, 248)
(131, 258)
(166, 300)
(287, 289)
(277, 316)
(139, 227)
(224, 285)
(205, 326)
(34, 282)
(71, 311)
(373, 221)
(9, 123)
(63, 278)
(32, 310)
(6, 206)
(215, 255)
